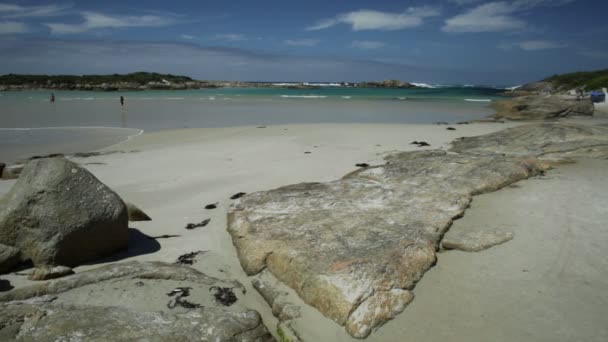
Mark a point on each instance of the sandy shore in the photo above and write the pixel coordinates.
(548, 284)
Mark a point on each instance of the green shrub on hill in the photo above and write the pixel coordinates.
(591, 80)
(140, 78)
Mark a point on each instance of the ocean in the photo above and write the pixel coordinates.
(79, 121)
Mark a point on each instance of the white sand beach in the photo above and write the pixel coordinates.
(548, 284)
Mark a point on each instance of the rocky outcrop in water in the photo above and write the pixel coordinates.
(58, 213)
(386, 84)
(354, 248)
(542, 108)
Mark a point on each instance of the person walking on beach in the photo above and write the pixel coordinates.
(122, 101)
(52, 98)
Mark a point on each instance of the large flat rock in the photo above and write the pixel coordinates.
(542, 108)
(546, 140)
(354, 248)
(55, 322)
(151, 301)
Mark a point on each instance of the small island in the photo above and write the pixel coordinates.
(139, 81)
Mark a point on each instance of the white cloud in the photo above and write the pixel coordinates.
(8, 27)
(302, 42)
(367, 44)
(496, 16)
(533, 45)
(377, 20)
(187, 36)
(490, 17)
(18, 11)
(94, 20)
(229, 37)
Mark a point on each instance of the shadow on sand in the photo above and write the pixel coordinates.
(139, 244)
(5, 285)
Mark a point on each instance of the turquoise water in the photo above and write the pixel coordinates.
(416, 94)
(159, 110)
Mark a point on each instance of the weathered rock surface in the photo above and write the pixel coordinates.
(127, 270)
(355, 247)
(128, 301)
(9, 258)
(136, 214)
(12, 171)
(50, 272)
(546, 140)
(276, 299)
(58, 213)
(542, 108)
(56, 322)
(474, 241)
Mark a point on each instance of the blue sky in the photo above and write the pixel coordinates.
(448, 41)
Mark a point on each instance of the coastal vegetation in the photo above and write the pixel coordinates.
(139, 78)
(152, 80)
(590, 80)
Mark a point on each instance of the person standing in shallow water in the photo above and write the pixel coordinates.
(122, 101)
(52, 97)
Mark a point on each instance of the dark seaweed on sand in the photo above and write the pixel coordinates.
(223, 295)
(203, 223)
(188, 258)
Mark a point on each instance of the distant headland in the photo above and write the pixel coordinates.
(140, 81)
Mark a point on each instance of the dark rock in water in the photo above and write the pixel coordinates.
(362, 165)
(211, 206)
(223, 295)
(361, 243)
(261, 127)
(9, 258)
(441, 123)
(464, 123)
(50, 272)
(188, 258)
(58, 208)
(238, 195)
(136, 214)
(451, 129)
(203, 223)
(2, 166)
(61, 322)
(307, 152)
